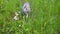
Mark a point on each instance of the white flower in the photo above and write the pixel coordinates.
(16, 14)
(15, 18)
(19, 25)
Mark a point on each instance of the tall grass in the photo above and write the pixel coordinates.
(44, 17)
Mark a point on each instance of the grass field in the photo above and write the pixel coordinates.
(44, 17)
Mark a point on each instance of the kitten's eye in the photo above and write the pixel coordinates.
(24, 6)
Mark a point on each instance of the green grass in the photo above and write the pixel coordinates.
(44, 17)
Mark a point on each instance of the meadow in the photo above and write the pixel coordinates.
(44, 17)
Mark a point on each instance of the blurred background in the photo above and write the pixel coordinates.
(44, 17)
